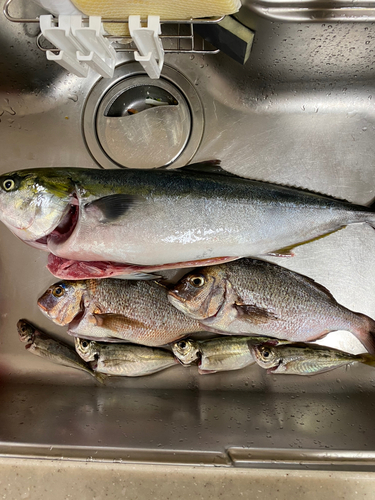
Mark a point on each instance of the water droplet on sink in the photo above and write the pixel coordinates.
(73, 97)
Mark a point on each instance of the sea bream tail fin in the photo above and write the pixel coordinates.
(366, 333)
(371, 208)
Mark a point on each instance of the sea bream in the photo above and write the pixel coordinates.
(101, 223)
(114, 310)
(251, 296)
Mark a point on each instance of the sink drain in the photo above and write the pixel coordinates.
(135, 122)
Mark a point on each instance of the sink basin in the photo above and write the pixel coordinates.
(300, 112)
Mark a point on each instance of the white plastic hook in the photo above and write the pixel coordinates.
(69, 62)
(80, 46)
(100, 55)
(59, 35)
(62, 38)
(150, 49)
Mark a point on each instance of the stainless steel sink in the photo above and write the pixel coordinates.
(301, 112)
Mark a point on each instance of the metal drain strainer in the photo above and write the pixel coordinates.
(135, 122)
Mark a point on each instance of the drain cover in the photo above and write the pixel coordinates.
(135, 122)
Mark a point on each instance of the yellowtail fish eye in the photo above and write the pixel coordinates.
(58, 291)
(182, 344)
(197, 281)
(84, 344)
(9, 184)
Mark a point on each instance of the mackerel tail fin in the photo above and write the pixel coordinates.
(100, 377)
(367, 359)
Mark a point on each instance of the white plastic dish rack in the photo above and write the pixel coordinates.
(80, 43)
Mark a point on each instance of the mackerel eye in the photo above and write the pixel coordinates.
(182, 345)
(266, 353)
(197, 281)
(58, 291)
(8, 184)
(84, 344)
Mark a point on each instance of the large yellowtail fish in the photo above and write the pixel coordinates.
(102, 223)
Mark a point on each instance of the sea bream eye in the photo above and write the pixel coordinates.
(8, 184)
(58, 291)
(197, 281)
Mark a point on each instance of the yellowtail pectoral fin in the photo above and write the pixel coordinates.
(112, 207)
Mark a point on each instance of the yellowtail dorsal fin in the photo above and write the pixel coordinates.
(208, 167)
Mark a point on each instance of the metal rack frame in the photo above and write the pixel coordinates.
(125, 43)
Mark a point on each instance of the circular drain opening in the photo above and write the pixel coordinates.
(135, 122)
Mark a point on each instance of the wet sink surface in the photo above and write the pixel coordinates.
(302, 113)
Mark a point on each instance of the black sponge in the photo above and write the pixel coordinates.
(230, 36)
